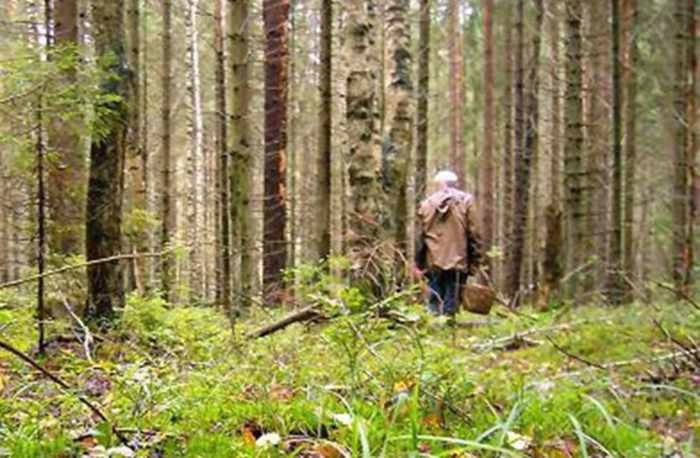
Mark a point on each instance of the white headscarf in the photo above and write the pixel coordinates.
(446, 176)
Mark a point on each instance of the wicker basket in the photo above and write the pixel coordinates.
(478, 298)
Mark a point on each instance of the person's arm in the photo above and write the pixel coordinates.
(421, 250)
(474, 243)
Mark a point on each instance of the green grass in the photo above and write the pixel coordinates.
(364, 385)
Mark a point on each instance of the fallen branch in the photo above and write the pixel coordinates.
(305, 314)
(574, 356)
(68, 268)
(96, 410)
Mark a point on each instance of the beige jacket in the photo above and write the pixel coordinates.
(449, 240)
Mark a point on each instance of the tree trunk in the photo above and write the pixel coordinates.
(515, 259)
(552, 263)
(486, 203)
(240, 170)
(573, 147)
(167, 191)
(363, 160)
(422, 112)
(456, 86)
(276, 17)
(400, 115)
(136, 154)
(194, 158)
(691, 136)
(66, 167)
(107, 154)
(631, 22)
(507, 141)
(681, 250)
(221, 152)
(322, 221)
(523, 160)
(615, 262)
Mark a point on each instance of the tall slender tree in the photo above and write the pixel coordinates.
(137, 164)
(573, 147)
(276, 17)
(195, 128)
(222, 152)
(523, 161)
(456, 87)
(167, 192)
(325, 124)
(363, 154)
(690, 120)
(615, 262)
(400, 115)
(486, 181)
(107, 155)
(631, 23)
(423, 95)
(66, 168)
(240, 170)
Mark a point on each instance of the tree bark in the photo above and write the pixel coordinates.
(366, 202)
(66, 167)
(631, 23)
(276, 17)
(573, 147)
(691, 136)
(221, 152)
(194, 157)
(456, 86)
(615, 262)
(240, 170)
(167, 191)
(107, 154)
(486, 204)
(137, 165)
(524, 160)
(552, 263)
(322, 221)
(507, 201)
(680, 208)
(422, 113)
(400, 116)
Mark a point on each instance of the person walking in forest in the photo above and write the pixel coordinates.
(448, 245)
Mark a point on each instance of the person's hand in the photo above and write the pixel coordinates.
(417, 273)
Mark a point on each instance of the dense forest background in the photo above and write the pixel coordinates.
(181, 179)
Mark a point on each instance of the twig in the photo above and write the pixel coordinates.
(678, 293)
(88, 336)
(574, 356)
(6, 346)
(83, 264)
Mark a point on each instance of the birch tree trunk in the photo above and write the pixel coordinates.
(107, 154)
(363, 160)
(400, 115)
(422, 111)
(195, 161)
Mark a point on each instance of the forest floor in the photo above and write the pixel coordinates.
(572, 382)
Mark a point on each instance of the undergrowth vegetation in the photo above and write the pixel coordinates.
(571, 382)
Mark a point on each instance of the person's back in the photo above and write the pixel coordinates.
(448, 243)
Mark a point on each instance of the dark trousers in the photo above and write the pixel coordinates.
(445, 287)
